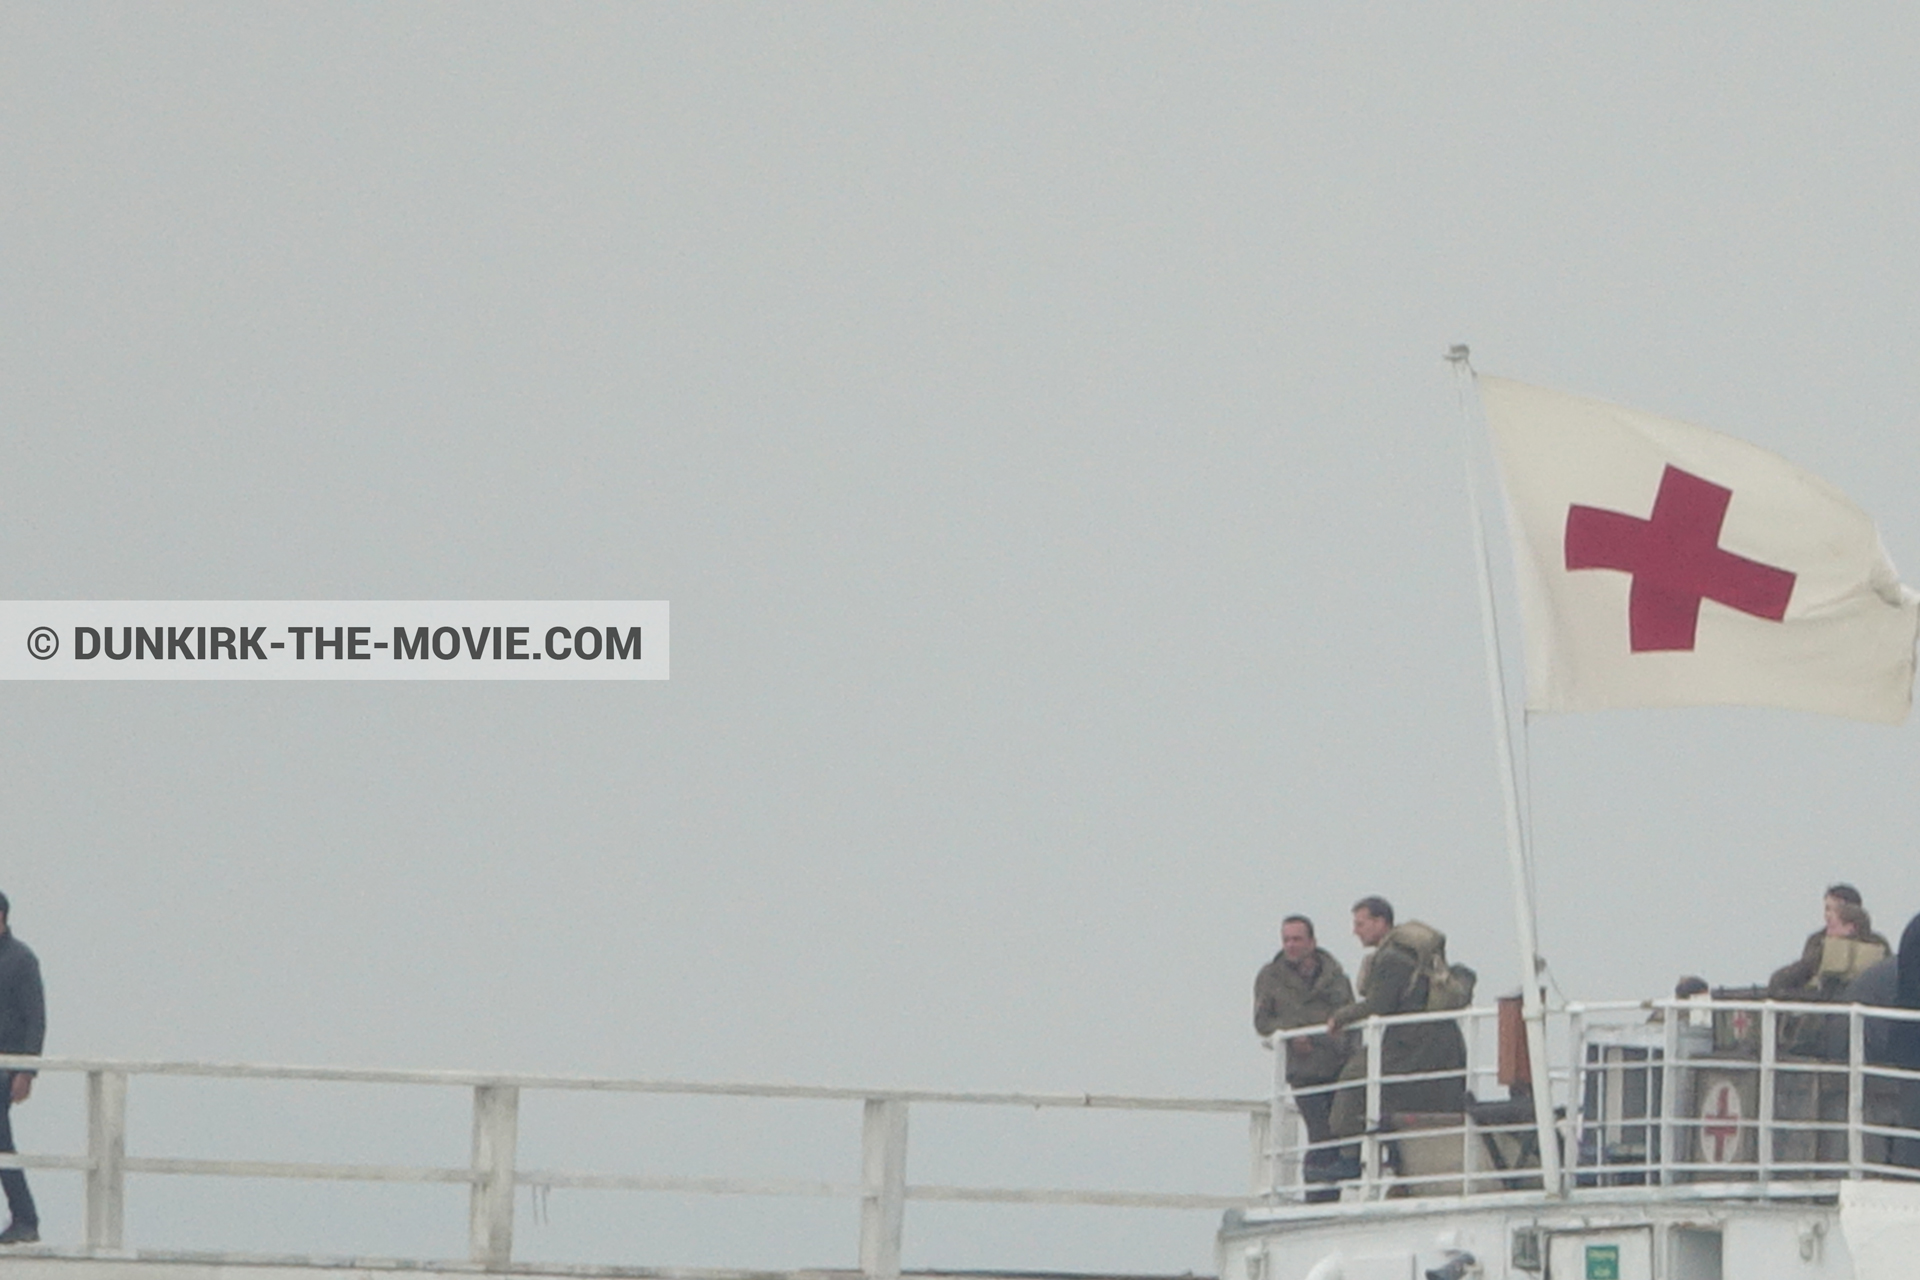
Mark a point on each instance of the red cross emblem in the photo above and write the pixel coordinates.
(1720, 1122)
(1676, 561)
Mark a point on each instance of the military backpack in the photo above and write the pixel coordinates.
(1449, 986)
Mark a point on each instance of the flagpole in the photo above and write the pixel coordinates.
(1533, 1007)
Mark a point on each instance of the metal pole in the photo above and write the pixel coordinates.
(883, 1198)
(1670, 1095)
(1769, 1058)
(106, 1160)
(1261, 1178)
(1533, 1008)
(1371, 1036)
(496, 1124)
(1577, 1083)
(1286, 1166)
(1856, 1090)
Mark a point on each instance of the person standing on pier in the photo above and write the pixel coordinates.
(23, 1029)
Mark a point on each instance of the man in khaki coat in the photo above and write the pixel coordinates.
(1390, 983)
(1301, 988)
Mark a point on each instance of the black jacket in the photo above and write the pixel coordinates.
(23, 1004)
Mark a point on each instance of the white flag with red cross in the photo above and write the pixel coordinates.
(1663, 564)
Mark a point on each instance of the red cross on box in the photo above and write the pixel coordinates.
(1724, 1109)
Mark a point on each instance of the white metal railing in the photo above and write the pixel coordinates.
(1686, 1097)
(492, 1173)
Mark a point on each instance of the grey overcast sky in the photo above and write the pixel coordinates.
(1035, 416)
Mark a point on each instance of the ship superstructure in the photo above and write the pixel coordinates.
(1724, 1137)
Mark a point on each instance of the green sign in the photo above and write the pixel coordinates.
(1603, 1262)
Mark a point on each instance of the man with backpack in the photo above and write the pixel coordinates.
(1406, 972)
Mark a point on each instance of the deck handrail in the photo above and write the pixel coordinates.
(1812, 1117)
(493, 1173)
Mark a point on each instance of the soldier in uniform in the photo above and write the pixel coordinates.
(1393, 979)
(1298, 990)
(1834, 955)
